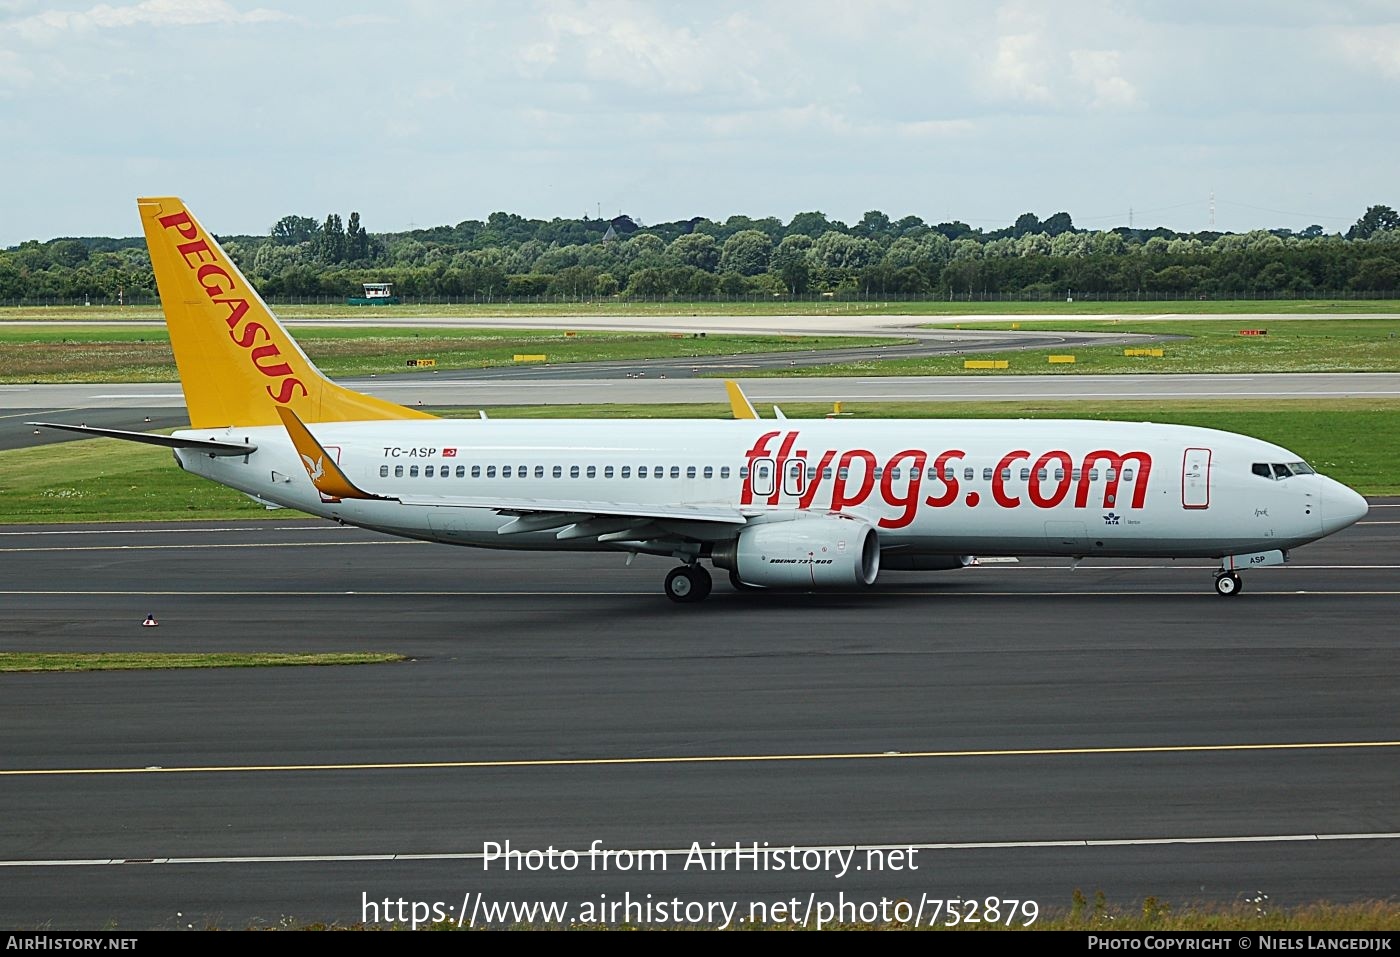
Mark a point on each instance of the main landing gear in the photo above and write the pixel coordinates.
(1228, 584)
(688, 583)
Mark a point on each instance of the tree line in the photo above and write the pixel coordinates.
(508, 257)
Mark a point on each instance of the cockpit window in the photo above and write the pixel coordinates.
(1278, 471)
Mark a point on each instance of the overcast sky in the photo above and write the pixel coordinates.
(427, 113)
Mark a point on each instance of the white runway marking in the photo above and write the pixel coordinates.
(31, 415)
(682, 852)
(888, 594)
(156, 548)
(188, 531)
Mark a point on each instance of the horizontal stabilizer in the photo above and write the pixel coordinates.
(209, 446)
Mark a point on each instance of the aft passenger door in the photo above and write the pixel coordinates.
(1195, 478)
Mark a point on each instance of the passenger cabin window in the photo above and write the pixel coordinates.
(1127, 475)
(490, 471)
(968, 474)
(505, 471)
(986, 475)
(690, 471)
(724, 471)
(476, 471)
(413, 471)
(445, 471)
(573, 471)
(627, 471)
(607, 471)
(709, 471)
(659, 471)
(428, 471)
(641, 471)
(558, 471)
(398, 471)
(592, 471)
(383, 471)
(675, 471)
(948, 473)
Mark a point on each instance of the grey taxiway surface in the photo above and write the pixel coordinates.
(1029, 729)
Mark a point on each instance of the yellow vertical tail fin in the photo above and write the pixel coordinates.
(237, 363)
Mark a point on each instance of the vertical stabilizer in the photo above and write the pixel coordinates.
(237, 364)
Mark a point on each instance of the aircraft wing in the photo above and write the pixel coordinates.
(542, 507)
(209, 446)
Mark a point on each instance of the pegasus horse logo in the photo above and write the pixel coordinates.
(314, 469)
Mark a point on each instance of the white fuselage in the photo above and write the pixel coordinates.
(928, 487)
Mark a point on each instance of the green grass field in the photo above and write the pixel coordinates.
(775, 307)
(1297, 345)
(87, 354)
(143, 661)
(97, 480)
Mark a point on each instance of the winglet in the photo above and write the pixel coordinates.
(739, 403)
(323, 471)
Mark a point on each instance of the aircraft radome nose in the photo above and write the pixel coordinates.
(1342, 506)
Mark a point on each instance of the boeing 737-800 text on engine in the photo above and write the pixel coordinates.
(818, 504)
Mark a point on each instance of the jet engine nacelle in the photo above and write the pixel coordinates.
(827, 551)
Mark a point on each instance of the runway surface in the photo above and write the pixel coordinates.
(1029, 729)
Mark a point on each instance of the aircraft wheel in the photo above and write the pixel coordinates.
(688, 583)
(1228, 584)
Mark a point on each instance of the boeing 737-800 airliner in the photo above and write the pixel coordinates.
(784, 503)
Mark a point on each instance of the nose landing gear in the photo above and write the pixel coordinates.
(1228, 584)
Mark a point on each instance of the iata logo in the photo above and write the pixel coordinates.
(851, 477)
(219, 285)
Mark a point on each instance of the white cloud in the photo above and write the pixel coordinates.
(1019, 68)
(621, 44)
(12, 71)
(1375, 48)
(147, 13)
(1100, 71)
